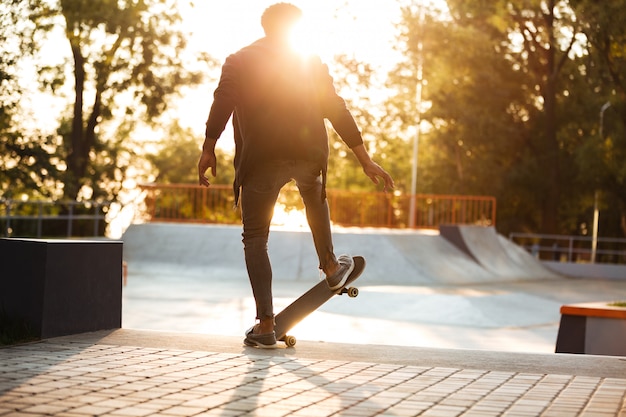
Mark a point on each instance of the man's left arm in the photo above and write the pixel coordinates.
(336, 111)
(374, 171)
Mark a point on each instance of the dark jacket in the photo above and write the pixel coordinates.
(279, 100)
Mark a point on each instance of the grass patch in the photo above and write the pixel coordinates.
(618, 304)
(14, 330)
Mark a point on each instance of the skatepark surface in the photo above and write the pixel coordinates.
(130, 373)
(435, 331)
(418, 289)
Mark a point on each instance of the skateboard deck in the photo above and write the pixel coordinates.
(311, 301)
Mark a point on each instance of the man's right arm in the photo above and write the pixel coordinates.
(224, 102)
(225, 99)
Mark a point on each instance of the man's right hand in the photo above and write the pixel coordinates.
(207, 160)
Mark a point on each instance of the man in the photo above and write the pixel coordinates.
(279, 101)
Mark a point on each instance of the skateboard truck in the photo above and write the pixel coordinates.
(290, 341)
(351, 291)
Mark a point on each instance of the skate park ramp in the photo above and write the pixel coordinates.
(418, 286)
(394, 257)
(494, 252)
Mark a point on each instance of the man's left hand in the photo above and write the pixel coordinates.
(207, 160)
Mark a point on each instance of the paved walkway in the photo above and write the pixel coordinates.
(139, 373)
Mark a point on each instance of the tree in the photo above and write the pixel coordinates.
(177, 155)
(602, 157)
(468, 103)
(511, 102)
(20, 167)
(538, 38)
(126, 63)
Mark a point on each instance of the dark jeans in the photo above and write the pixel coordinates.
(259, 193)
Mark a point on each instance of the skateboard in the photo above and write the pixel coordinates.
(311, 301)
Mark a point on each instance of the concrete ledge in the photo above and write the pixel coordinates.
(580, 270)
(562, 364)
(62, 287)
(592, 328)
(594, 310)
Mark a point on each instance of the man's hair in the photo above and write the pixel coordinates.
(279, 18)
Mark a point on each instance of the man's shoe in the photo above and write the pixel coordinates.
(337, 280)
(264, 341)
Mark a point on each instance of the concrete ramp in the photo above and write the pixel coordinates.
(394, 257)
(411, 257)
(495, 253)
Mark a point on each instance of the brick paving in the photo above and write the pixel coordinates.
(73, 378)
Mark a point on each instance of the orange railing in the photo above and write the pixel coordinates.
(195, 204)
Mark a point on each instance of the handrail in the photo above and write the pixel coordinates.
(572, 248)
(10, 213)
(192, 203)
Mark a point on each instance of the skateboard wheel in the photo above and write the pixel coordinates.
(353, 292)
(290, 341)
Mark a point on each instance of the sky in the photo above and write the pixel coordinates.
(364, 29)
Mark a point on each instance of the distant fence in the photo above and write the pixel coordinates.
(191, 203)
(52, 218)
(566, 248)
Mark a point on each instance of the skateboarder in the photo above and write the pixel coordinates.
(279, 100)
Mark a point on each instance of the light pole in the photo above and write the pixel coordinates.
(418, 121)
(596, 211)
(602, 110)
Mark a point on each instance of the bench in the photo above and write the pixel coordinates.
(592, 328)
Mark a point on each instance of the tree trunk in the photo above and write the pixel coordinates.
(551, 201)
(78, 152)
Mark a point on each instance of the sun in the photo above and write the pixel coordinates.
(304, 39)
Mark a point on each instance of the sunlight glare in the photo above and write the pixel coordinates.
(288, 220)
(303, 38)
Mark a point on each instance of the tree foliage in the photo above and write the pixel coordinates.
(125, 60)
(23, 160)
(524, 100)
(177, 154)
(602, 157)
(511, 94)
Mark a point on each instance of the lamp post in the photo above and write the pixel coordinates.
(418, 121)
(602, 110)
(596, 211)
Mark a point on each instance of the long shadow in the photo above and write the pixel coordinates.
(30, 369)
(280, 384)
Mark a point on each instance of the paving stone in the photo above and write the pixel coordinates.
(79, 380)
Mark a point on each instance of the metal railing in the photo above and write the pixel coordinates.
(52, 218)
(567, 248)
(192, 203)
